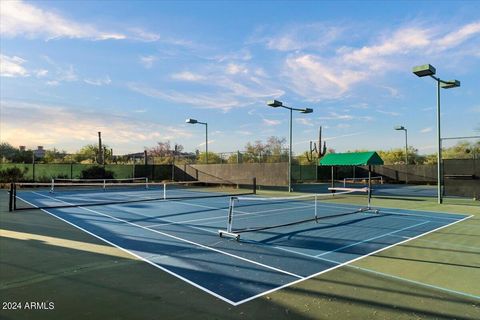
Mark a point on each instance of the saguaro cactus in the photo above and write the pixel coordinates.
(317, 147)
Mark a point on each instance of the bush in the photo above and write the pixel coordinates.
(11, 175)
(96, 172)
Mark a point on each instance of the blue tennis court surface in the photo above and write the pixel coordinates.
(181, 238)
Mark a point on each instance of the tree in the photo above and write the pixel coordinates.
(7, 151)
(212, 158)
(164, 153)
(90, 154)
(273, 150)
(54, 156)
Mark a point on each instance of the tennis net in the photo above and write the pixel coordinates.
(79, 194)
(252, 214)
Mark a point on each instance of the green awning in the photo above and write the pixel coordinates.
(351, 159)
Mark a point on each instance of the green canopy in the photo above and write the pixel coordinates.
(351, 159)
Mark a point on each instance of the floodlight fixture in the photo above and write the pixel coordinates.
(424, 70)
(193, 121)
(429, 70)
(450, 84)
(274, 103)
(307, 110)
(399, 128)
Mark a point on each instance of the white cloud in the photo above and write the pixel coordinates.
(304, 121)
(343, 136)
(244, 132)
(40, 124)
(41, 73)
(271, 122)
(20, 18)
(147, 61)
(345, 117)
(209, 101)
(98, 82)
(144, 35)
(318, 78)
(426, 130)
(343, 126)
(301, 37)
(233, 68)
(456, 37)
(187, 76)
(390, 113)
(12, 66)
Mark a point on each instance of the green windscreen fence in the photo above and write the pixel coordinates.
(44, 172)
(304, 173)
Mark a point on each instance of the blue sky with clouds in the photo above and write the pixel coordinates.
(136, 70)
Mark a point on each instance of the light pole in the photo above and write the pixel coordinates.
(406, 150)
(193, 121)
(429, 70)
(276, 104)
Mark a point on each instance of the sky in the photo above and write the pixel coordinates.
(136, 70)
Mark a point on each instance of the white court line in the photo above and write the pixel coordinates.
(187, 241)
(341, 264)
(283, 249)
(373, 238)
(137, 256)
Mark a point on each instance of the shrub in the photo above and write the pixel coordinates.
(11, 175)
(96, 172)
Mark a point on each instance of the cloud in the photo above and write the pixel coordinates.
(244, 132)
(270, 122)
(12, 67)
(300, 37)
(332, 72)
(34, 124)
(233, 68)
(343, 136)
(347, 117)
(187, 76)
(317, 78)
(390, 113)
(215, 91)
(208, 101)
(143, 35)
(98, 82)
(41, 73)
(18, 18)
(147, 61)
(456, 37)
(426, 130)
(304, 121)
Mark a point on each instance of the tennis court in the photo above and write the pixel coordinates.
(177, 232)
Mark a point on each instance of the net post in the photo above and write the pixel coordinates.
(14, 196)
(254, 185)
(164, 191)
(369, 186)
(52, 187)
(10, 198)
(146, 183)
(230, 214)
(344, 182)
(316, 213)
(104, 184)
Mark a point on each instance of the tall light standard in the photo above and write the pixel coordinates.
(276, 104)
(193, 121)
(429, 70)
(400, 128)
